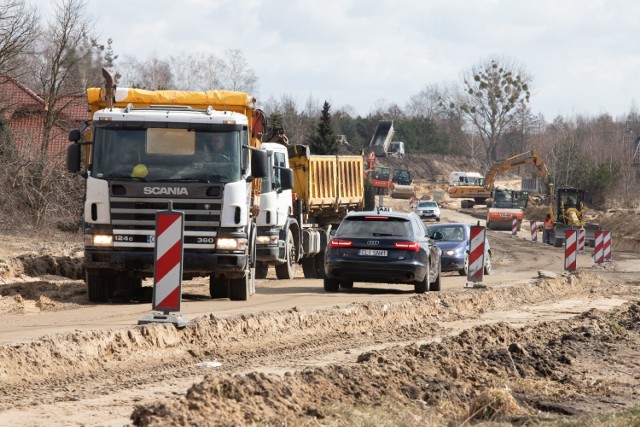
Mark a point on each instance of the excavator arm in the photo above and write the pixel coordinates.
(530, 157)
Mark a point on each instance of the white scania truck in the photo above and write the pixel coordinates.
(145, 151)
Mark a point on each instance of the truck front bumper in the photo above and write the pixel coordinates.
(193, 263)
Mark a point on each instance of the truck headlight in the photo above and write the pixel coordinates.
(267, 240)
(98, 240)
(231, 244)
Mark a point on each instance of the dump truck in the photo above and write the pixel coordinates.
(507, 205)
(567, 208)
(147, 151)
(382, 137)
(310, 196)
(402, 185)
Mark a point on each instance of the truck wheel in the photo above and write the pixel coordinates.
(331, 285)
(288, 269)
(261, 270)
(309, 268)
(240, 289)
(100, 284)
(218, 287)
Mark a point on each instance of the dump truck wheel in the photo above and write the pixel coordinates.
(309, 268)
(346, 285)
(288, 269)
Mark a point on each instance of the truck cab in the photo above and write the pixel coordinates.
(275, 216)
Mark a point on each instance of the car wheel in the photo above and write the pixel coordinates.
(437, 284)
(438, 219)
(465, 270)
(423, 286)
(331, 285)
(487, 264)
(346, 285)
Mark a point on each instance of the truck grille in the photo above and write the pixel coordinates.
(134, 220)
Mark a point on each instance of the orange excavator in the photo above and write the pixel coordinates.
(480, 193)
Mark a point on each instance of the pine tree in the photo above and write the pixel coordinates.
(322, 141)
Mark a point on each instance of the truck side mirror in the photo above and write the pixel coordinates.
(259, 163)
(286, 178)
(75, 135)
(73, 157)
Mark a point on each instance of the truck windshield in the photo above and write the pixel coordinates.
(163, 154)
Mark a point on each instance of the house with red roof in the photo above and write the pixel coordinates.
(24, 112)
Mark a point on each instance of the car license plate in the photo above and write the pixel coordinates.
(372, 252)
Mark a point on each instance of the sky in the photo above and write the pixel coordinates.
(583, 55)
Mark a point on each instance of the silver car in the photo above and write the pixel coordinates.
(428, 209)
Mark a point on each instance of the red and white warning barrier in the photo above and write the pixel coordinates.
(581, 237)
(167, 285)
(475, 272)
(598, 250)
(514, 227)
(534, 231)
(570, 249)
(606, 246)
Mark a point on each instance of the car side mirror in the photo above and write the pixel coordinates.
(437, 235)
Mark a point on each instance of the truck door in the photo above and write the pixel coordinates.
(284, 196)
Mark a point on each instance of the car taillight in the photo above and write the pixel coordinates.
(340, 243)
(407, 246)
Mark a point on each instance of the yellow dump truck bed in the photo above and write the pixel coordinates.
(326, 182)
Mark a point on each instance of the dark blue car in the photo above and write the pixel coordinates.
(382, 247)
(453, 240)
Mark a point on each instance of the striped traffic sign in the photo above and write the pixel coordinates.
(514, 227)
(167, 284)
(534, 231)
(598, 252)
(581, 238)
(475, 272)
(606, 245)
(570, 249)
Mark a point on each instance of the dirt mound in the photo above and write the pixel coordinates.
(502, 371)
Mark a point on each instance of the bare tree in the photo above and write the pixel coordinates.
(492, 93)
(237, 73)
(57, 67)
(19, 28)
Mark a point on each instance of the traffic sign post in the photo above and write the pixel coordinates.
(514, 227)
(534, 231)
(598, 250)
(606, 246)
(475, 270)
(570, 249)
(167, 277)
(581, 238)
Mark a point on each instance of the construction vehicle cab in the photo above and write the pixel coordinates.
(567, 208)
(507, 205)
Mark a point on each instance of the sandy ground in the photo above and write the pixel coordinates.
(537, 343)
